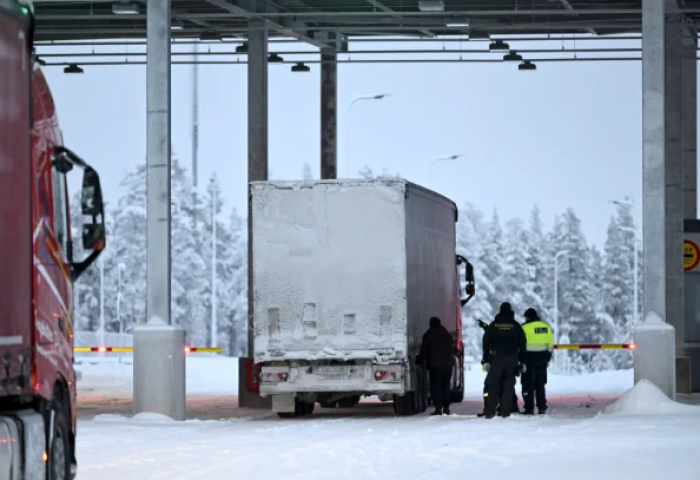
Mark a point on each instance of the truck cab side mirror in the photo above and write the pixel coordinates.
(91, 205)
(470, 288)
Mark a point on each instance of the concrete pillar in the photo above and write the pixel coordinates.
(159, 348)
(690, 126)
(652, 334)
(329, 117)
(674, 29)
(257, 170)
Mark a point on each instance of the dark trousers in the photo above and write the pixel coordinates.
(515, 398)
(500, 383)
(534, 381)
(440, 386)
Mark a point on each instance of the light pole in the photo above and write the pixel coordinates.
(635, 305)
(214, 332)
(120, 268)
(102, 302)
(556, 294)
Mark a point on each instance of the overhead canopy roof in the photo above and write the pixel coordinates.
(330, 22)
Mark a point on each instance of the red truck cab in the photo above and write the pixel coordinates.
(37, 268)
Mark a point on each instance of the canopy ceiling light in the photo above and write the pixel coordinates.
(499, 46)
(73, 68)
(300, 67)
(527, 65)
(274, 58)
(512, 56)
(125, 8)
(431, 6)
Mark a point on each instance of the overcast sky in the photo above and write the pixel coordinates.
(568, 134)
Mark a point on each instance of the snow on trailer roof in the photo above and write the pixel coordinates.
(350, 182)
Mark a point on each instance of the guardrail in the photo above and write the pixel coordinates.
(131, 349)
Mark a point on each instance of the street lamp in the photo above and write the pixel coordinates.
(102, 302)
(214, 332)
(556, 294)
(635, 306)
(120, 268)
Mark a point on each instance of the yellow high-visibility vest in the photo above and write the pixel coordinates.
(539, 336)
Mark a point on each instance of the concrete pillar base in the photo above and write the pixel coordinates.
(159, 369)
(655, 354)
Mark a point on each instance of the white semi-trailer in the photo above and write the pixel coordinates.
(346, 275)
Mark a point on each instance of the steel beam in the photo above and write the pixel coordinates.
(380, 6)
(690, 123)
(235, 6)
(329, 118)
(257, 170)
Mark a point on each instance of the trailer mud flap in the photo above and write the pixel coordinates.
(283, 403)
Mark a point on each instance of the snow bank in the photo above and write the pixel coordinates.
(608, 383)
(645, 398)
(206, 375)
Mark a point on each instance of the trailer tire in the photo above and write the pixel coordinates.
(301, 409)
(346, 402)
(60, 456)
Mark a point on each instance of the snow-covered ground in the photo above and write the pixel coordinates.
(643, 435)
(211, 375)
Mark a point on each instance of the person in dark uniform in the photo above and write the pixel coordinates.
(515, 409)
(504, 348)
(437, 351)
(540, 344)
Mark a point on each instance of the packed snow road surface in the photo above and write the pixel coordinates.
(386, 448)
(643, 436)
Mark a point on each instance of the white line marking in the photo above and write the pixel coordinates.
(14, 340)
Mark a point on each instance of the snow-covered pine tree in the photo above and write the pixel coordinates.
(539, 286)
(493, 261)
(577, 303)
(618, 285)
(86, 291)
(470, 232)
(514, 285)
(237, 303)
(126, 245)
(188, 284)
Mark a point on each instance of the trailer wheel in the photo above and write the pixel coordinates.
(59, 458)
(346, 402)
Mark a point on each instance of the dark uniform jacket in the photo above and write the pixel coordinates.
(437, 347)
(504, 337)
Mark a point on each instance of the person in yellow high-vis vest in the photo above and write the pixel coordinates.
(540, 344)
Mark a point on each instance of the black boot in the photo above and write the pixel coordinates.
(446, 411)
(438, 411)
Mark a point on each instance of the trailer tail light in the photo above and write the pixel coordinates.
(381, 375)
(282, 377)
(188, 349)
(102, 349)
